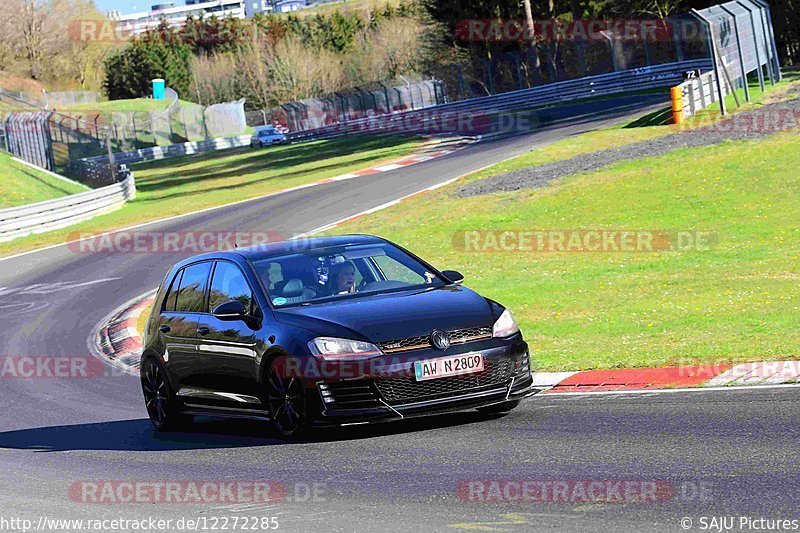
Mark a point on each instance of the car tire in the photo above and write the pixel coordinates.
(498, 408)
(286, 399)
(160, 402)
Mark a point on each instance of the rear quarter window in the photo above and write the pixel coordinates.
(172, 292)
(192, 288)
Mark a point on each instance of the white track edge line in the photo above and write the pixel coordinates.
(324, 181)
(387, 204)
(670, 391)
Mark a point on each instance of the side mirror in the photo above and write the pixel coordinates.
(454, 275)
(230, 310)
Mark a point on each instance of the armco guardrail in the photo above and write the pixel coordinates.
(62, 212)
(80, 167)
(652, 77)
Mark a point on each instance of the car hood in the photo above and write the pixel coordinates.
(385, 317)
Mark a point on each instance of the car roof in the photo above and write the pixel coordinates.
(255, 253)
(264, 251)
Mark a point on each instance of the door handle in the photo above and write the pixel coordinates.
(164, 329)
(202, 330)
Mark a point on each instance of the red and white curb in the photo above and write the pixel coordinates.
(675, 377)
(116, 340)
(429, 151)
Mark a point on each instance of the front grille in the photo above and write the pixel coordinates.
(405, 390)
(423, 341)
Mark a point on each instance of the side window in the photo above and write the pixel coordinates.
(228, 284)
(193, 283)
(359, 277)
(172, 293)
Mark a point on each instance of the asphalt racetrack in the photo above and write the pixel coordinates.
(708, 453)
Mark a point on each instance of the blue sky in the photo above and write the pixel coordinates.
(127, 6)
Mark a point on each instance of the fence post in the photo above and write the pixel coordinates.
(677, 40)
(739, 49)
(580, 48)
(460, 75)
(489, 74)
(768, 17)
(116, 132)
(613, 52)
(767, 49)
(518, 65)
(49, 149)
(713, 49)
(755, 44)
(692, 98)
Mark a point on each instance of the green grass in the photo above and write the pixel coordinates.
(119, 106)
(737, 301)
(141, 322)
(181, 185)
(20, 184)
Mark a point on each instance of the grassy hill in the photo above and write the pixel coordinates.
(734, 299)
(20, 184)
(216, 178)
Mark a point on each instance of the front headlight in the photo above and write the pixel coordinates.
(505, 325)
(333, 349)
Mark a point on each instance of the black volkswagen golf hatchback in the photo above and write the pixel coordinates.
(339, 330)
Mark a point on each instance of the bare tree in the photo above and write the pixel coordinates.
(36, 41)
(529, 18)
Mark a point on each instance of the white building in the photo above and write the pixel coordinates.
(136, 23)
(251, 7)
(273, 6)
(290, 5)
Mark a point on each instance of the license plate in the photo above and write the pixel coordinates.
(443, 367)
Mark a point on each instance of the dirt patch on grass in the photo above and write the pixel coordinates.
(751, 124)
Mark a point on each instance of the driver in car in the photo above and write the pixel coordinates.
(343, 277)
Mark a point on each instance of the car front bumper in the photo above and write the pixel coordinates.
(518, 386)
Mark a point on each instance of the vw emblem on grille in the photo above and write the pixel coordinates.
(440, 339)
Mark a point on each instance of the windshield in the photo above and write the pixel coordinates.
(328, 274)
